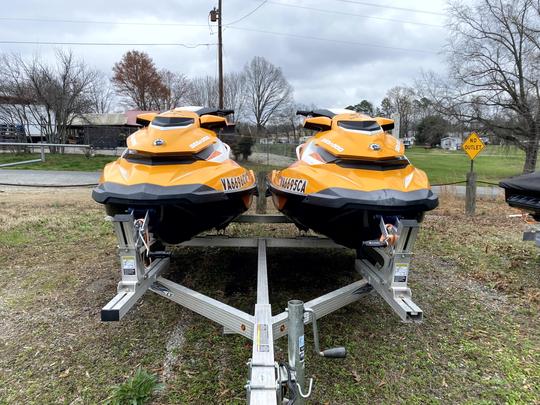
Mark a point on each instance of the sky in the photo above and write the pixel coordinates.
(334, 52)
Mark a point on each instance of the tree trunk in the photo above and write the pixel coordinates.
(531, 156)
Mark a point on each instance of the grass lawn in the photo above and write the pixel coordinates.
(476, 281)
(58, 162)
(80, 162)
(492, 165)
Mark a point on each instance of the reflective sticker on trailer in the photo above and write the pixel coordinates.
(294, 185)
(128, 265)
(234, 183)
(301, 348)
(401, 273)
(262, 338)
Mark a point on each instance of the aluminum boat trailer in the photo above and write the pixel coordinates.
(268, 382)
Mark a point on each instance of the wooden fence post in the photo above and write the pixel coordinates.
(470, 194)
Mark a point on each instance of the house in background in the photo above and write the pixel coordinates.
(104, 131)
(266, 141)
(19, 120)
(408, 142)
(451, 143)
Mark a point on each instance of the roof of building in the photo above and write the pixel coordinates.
(127, 118)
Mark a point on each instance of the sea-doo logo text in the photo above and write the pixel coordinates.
(200, 141)
(294, 185)
(159, 142)
(375, 146)
(332, 144)
(234, 183)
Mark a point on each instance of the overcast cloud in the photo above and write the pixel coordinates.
(362, 58)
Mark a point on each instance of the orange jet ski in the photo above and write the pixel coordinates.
(177, 170)
(349, 176)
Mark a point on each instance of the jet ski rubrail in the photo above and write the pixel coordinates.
(349, 175)
(176, 168)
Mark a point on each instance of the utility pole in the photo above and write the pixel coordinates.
(220, 55)
(216, 15)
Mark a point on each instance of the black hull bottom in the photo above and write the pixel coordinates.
(347, 221)
(178, 223)
(175, 218)
(348, 227)
(528, 203)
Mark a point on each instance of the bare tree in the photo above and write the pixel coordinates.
(49, 95)
(176, 90)
(287, 123)
(136, 79)
(267, 91)
(101, 94)
(203, 91)
(494, 60)
(15, 95)
(401, 101)
(234, 93)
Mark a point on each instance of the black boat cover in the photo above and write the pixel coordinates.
(528, 183)
(524, 192)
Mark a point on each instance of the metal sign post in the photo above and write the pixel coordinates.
(472, 146)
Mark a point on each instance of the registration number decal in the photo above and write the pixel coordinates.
(295, 185)
(234, 183)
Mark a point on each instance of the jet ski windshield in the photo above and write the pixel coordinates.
(315, 155)
(363, 127)
(171, 122)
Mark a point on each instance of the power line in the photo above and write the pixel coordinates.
(104, 43)
(412, 10)
(354, 15)
(248, 14)
(229, 25)
(340, 41)
(54, 20)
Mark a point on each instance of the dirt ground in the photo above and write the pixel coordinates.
(476, 281)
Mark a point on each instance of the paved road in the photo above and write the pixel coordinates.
(47, 178)
(485, 192)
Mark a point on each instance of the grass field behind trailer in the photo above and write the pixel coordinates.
(476, 281)
(493, 164)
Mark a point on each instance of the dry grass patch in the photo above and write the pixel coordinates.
(474, 278)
